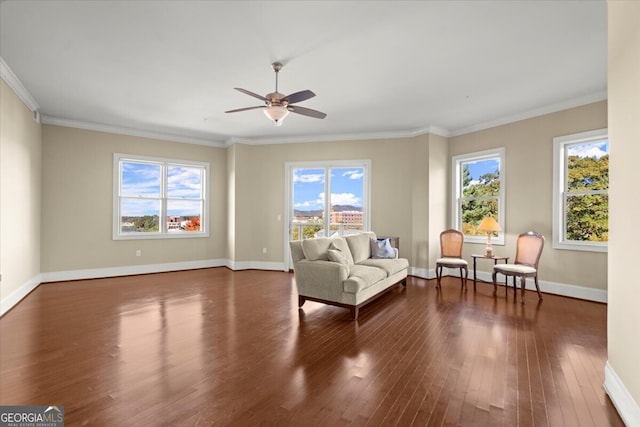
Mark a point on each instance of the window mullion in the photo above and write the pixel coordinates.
(164, 218)
(327, 201)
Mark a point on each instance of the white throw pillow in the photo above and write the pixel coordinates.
(382, 249)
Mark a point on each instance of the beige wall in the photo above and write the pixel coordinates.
(409, 198)
(260, 185)
(20, 190)
(529, 178)
(77, 173)
(439, 194)
(624, 112)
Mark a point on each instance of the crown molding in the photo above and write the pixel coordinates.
(16, 85)
(50, 120)
(565, 105)
(341, 137)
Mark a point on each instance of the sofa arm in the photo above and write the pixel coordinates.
(320, 279)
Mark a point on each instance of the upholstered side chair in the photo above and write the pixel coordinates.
(528, 250)
(451, 241)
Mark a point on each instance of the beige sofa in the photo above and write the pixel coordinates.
(340, 270)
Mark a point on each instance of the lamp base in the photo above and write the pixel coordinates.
(488, 250)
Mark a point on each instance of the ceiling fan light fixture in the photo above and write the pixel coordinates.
(276, 114)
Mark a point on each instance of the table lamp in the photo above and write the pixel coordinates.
(489, 225)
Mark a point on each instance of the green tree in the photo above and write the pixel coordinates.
(587, 214)
(147, 223)
(480, 199)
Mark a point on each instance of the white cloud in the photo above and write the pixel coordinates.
(588, 150)
(308, 178)
(314, 204)
(354, 174)
(140, 207)
(184, 182)
(345, 199)
(183, 207)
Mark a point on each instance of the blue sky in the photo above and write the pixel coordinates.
(145, 179)
(308, 187)
(481, 167)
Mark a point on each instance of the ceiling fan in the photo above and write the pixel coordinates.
(277, 105)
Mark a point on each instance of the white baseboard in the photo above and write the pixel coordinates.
(563, 289)
(422, 273)
(95, 273)
(627, 407)
(255, 265)
(8, 302)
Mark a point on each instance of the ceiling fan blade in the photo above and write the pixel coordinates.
(303, 95)
(245, 109)
(306, 112)
(248, 92)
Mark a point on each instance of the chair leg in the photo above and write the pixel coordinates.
(495, 285)
(462, 284)
(523, 281)
(466, 276)
(535, 278)
(438, 275)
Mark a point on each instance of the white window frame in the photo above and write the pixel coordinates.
(329, 164)
(118, 158)
(559, 185)
(456, 195)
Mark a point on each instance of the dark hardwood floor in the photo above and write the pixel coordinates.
(216, 347)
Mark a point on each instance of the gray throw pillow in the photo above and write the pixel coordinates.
(382, 249)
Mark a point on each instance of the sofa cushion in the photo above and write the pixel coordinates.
(361, 277)
(390, 266)
(381, 248)
(316, 249)
(336, 255)
(360, 246)
(341, 244)
(452, 261)
(516, 268)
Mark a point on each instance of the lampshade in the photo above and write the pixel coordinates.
(489, 224)
(277, 114)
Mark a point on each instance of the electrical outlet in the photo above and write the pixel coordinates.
(138, 252)
(264, 250)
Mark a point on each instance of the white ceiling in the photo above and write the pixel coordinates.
(378, 68)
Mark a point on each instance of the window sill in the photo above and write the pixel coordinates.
(585, 247)
(153, 236)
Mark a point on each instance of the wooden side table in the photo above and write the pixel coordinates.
(495, 261)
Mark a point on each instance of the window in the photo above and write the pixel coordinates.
(580, 191)
(312, 213)
(478, 192)
(159, 198)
